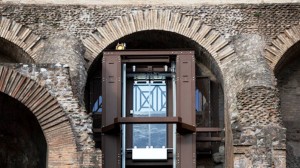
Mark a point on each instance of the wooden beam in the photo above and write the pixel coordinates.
(208, 129)
(148, 52)
(182, 128)
(97, 130)
(148, 120)
(209, 139)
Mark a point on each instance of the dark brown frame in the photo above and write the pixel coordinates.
(185, 119)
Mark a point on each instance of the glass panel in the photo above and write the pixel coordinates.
(149, 100)
(198, 100)
(97, 107)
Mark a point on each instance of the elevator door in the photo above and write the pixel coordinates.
(149, 100)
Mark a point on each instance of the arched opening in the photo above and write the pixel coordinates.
(209, 105)
(288, 76)
(11, 53)
(22, 142)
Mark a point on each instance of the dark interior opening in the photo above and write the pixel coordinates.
(288, 77)
(22, 142)
(11, 53)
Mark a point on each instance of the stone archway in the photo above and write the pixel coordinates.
(166, 20)
(285, 51)
(51, 117)
(22, 142)
(241, 70)
(22, 37)
(280, 45)
(215, 45)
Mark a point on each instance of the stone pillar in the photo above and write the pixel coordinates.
(258, 135)
(64, 48)
(254, 125)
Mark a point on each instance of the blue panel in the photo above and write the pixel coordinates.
(97, 107)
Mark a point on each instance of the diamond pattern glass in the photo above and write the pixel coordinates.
(149, 100)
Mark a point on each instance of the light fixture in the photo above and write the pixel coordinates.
(121, 46)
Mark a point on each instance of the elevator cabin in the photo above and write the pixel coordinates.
(148, 109)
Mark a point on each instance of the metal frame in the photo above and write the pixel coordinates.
(185, 105)
(173, 70)
(123, 115)
(183, 79)
(111, 90)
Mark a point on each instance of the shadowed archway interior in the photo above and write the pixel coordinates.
(156, 40)
(22, 142)
(161, 40)
(288, 76)
(11, 53)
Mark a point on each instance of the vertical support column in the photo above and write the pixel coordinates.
(124, 115)
(111, 73)
(173, 70)
(185, 90)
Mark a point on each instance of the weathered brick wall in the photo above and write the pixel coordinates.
(268, 20)
(62, 47)
(258, 136)
(250, 70)
(55, 78)
(124, 2)
(248, 28)
(258, 106)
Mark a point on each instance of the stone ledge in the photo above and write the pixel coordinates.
(150, 2)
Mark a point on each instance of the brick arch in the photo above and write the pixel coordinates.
(21, 36)
(278, 47)
(51, 117)
(165, 20)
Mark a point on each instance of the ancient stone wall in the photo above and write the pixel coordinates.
(258, 133)
(126, 2)
(250, 85)
(242, 30)
(62, 47)
(55, 78)
(51, 117)
(268, 20)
